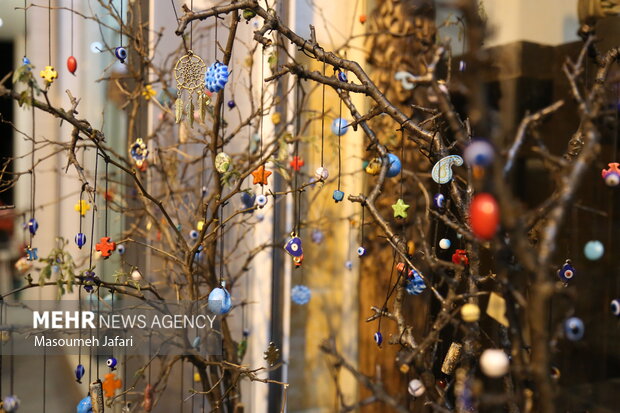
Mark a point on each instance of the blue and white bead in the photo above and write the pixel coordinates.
(415, 284)
(615, 307)
(33, 226)
(378, 338)
(361, 251)
(479, 152)
(219, 301)
(10, 404)
(300, 294)
(340, 126)
(574, 329)
(80, 239)
(216, 77)
(567, 272)
(439, 201)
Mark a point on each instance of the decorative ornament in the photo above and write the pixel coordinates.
(460, 258)
(555, 373)
(10, 404)
(484, 216)
(148, 92)
(71, 65)
(49, 74)
(348, 265)
(222, 162)
(317, 236)
(594, 250)
(80, 239)
(105, 246)
(361, 251)
(615, 307)
(33, 226)
(470, 313)
(276, 118)
(452, 358)
(248, 199)
(300, 294)
(272, 354)
(89, 281)
(261, 201)
(120, 248)
(147, 403)
(373, 167)
(260, 175)
(442, 171)
(82, 207)
(96, 396)
(294, 249)
(111, 384)
(496, 308)
(415, 284)
(231, 104)
(216, 77)
(135, 275)
(193, 234)
(296, 163)
(26, 61)
(219, 301)
(121, 54)
(338, 195)
(479, 152)
(394, 165)
(574, 329)
(32, 253)
(363, 18)
(321, 173)
(445, 244)
(85, 405)
(494, 362)
(416, 388)
(612, 174)
(339, 125)
(79, 373)
(248, 14)
(378, 338)
(111, 363)
(400, 209)
(189, 72)
(567, 272)
(342, 76)
(139, 152)
(439, 201)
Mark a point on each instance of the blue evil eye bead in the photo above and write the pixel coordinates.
(199, 254)
(378, 338)
(615, 307)
(300, 294)
(79, 373)
(219, 301)
(231, 104)
(594, 250)
(462, 65)
(216, 77)
(248, 200)
(293, 247)
(348, 265)
(89, 281)
(26, 61)
(439, 201)
(33, 226)
(394, 165)
(111, 363)
(193, 234)
(317, 236)
(361, 251)
(120, 248)
(338, 195)
(574, 329)
(342, 76)
(567, 272)
(85, 405)
(10, 404)
(479, 152)
(261, 200)
(80, 239)
(445, 244)
(121, 54)
(203, 191)
(340, 126)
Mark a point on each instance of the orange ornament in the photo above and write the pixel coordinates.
(111, 384)
(363, 18)
(260, 175)
(72, 64)
(484, 216)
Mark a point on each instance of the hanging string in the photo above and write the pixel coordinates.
(92, 226)
(222, 243)
(182, 385)
(387, 293)
(339, 137)
(44, 376)
(121, 25)
(215, 48)
(49, 31)
(262, 108)
(106, 196)
(296, 192)
(191, 27)
(176, 15)
(33, 179)
(323, 119)
(72, 27)
(25, 29)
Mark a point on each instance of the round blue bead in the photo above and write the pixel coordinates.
(219, 301)
(300, 294)
(33, 226)
(80, 239)
(342, 76)
(574, 329)
(439, 201)
(111, 363)
(340, 126)
(594, 250)
(79, 372)
(338, 195)
(378, 338)
(120, 248)
(394, 165)
(121, 54)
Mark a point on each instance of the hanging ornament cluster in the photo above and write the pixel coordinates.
(293, 248)
(189, 72)
(216, 77)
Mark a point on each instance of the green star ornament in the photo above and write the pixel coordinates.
(400, 209)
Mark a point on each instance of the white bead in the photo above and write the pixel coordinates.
(444, 243)
(135, 275)
(494, 362)
(416, 388)
(321, 173)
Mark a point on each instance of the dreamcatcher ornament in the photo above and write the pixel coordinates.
(189, 73)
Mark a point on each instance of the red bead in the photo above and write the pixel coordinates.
(72, 64)
(484, 216)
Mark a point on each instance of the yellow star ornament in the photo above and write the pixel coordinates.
(400, 209)
(260, 175)
(49, 74)
(82, 207)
